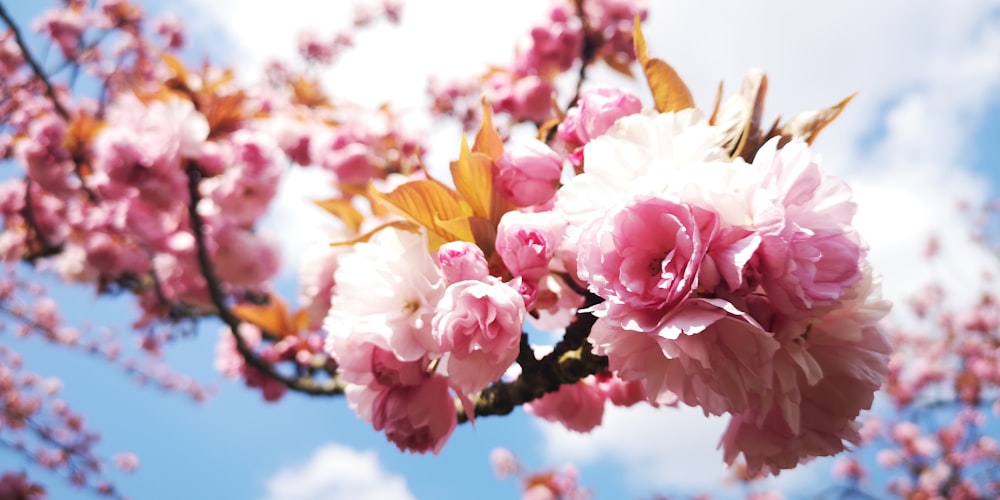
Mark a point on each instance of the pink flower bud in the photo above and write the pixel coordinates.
(461, 260)
(527, 241)
(532, 99)
(596, 111)
(529, 172)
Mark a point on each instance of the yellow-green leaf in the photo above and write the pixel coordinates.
(619, 66)
(343, 210)
(488, 140)
(403, 225)
(175, 65)
(272, 318)
(670, 93)
(473, 177)
(808, 125)
(427, 203)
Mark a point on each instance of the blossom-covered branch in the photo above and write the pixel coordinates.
(306, 385)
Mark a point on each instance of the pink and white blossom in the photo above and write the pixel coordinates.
(579, 407)
(461, 260)
(528, 172)
(478, 325)
(527, 241)
(389, 286)
(417, 418)
(644, 258)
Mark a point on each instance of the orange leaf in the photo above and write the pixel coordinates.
(343, 210)
(175, 65)
(670, 93)
(488, 141)
(808, 125)
(473, 177)
(620, 66)
(428, 203)
(272, 318)
(718, 102)
(301, 320)
(402, 225)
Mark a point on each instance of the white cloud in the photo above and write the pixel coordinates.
(658, 448)
(334, 472)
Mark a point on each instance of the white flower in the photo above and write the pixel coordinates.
(389, 286)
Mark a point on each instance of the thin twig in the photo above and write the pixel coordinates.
(305, 384)
(35, 67)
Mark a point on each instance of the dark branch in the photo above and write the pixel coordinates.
(305, 385)
(570, 361)
(35, 67)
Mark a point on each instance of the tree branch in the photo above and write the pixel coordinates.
(305, 385)
(35, 67)
(570, 361)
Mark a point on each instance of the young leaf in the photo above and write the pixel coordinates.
(488, 141)
(428, 203)
(343, 210)
(272, 318)
(808, 125)
(670, 93)
(473, 177)
(402, 225)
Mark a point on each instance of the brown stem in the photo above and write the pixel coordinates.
(305, 385)
(35, 67)
(588, 50)
(47, 248)
(570, 361)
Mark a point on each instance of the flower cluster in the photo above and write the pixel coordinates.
(572, 33)
(736, 285)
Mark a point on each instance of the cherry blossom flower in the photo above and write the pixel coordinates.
(390, 286)
(478, 324)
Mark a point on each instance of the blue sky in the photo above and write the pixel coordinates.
(923, 132)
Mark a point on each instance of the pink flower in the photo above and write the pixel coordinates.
(527, 242)
(552, 46)
(317, 266)
(532, 99)
(45, 157)
(243, 258)
(556, 304)
(171, 28)
(888, 458)
(478, 324)
(662, 155)
(620, 392)
(579, 407)
(825, 374)
(244, 190)
(417, 418)
(705, 353)
(504, 462)
(461, 260)
(811, 254)
(365, 359)
(389, 286)
(644, 258)
(594, 113)
(127, 462)
(529, 172)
